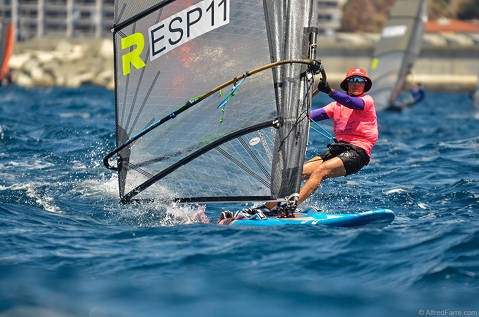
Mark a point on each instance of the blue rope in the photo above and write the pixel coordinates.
(324, 132)
(228, 97)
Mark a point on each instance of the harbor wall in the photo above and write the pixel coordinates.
(50, 62)
(441, 68)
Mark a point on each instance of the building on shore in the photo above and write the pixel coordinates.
(329, 16)
(94, 18)
(59, 18)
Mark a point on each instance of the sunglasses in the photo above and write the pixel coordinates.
(356, 80)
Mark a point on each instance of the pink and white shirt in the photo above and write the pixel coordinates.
(356, 126)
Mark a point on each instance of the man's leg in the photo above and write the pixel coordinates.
(319, 172)
(310, 165)
(315, 170)
(308, 168)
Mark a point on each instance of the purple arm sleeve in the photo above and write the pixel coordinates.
(348, 101)
(319, 114)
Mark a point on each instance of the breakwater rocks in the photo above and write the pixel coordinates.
(47, 62)
(442, 65)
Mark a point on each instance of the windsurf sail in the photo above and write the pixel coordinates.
(212, 98)
(476, 94)
(6, 46)
(397, 50)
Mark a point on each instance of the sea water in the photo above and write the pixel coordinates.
(68, 248)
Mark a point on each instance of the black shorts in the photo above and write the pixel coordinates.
(352, 156)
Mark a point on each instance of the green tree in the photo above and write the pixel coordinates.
(469, 10)
(358, 16)
(371, 15)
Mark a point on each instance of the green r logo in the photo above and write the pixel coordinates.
(374, 63)
(134, 56)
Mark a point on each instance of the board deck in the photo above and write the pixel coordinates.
(312, 216)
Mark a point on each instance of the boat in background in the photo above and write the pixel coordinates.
(397, 50)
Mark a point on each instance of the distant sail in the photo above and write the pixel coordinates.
(6, 47)
(397, 50)
(476, 94)
(168, 54)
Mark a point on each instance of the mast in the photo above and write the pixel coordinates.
(291, 25)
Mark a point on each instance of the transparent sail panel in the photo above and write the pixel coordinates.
(397, 50)
(238, 168)
(127, 9)
(231, 41)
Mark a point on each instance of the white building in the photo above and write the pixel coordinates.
(329, 15)
(94, 18)
(59, 18)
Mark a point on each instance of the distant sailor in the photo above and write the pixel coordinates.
(355, 129)
(417, 94)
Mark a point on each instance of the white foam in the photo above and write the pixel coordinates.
(30, 189)
(396, 190)
(423, 206)
(428, 216)
(33, 164)
(174, 214)
(98, 187)
(188, 214)
(83, 115)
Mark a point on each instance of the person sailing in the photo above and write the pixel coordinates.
(356, 131)
(417, 94)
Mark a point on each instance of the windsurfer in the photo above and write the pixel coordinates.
(417, 94)
(355, 129)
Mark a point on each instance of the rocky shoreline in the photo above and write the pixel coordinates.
(43, 62)
(74, 63)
